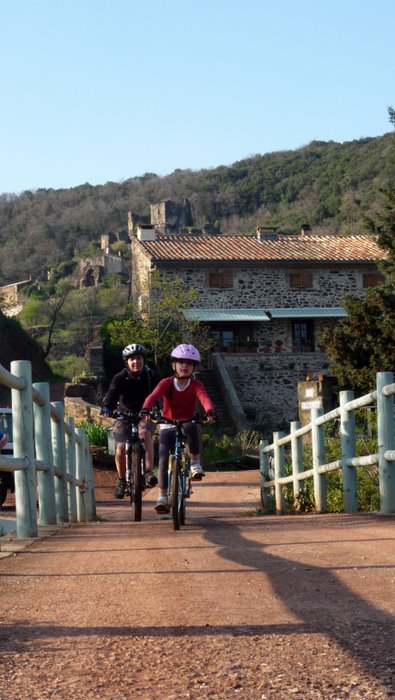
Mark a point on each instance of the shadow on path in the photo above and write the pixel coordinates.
(323, 604)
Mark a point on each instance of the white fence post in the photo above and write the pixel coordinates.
(279, 472)
(25, 479)
(296, 457)
(386, 440)
(71, 470)
(45, 479)
(59, 456)
(318, 445)
(265, 476)
(91, 481)
(347, 436)
(81, 476)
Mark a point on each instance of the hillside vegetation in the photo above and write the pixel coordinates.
(329, 185)
(16, 344)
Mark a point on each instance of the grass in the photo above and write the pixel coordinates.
(218, 447)
(96, 434)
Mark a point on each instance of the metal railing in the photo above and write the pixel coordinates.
(51, 458)
(272, 457)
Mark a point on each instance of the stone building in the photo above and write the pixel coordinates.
(168, 217)
(266, 300)
(93, 270)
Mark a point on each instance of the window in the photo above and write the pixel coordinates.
(371, 279)
(300, 280)
(303, 335)
(220, 280)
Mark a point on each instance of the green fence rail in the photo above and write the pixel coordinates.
(51, 459)
(272, 456)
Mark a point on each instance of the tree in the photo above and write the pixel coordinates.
(162, 325)
(363, 343)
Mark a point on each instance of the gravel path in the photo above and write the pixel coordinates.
(234, 605)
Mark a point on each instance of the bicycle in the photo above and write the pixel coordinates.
(135, 462)
(179, 476)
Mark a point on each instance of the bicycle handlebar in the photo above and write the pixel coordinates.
(180, 421)
(134, 416)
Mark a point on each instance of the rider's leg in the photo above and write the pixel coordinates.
(120, 460)
(120, 463)
(192, 431)
(145, 434)
(166, 444)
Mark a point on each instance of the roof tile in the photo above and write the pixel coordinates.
(247, 248)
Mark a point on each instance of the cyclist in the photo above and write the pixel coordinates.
(128, 390)
(180, 394)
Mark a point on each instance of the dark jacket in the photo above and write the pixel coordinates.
(129, 390)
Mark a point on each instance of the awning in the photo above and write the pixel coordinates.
(226, 315)
(309, 312)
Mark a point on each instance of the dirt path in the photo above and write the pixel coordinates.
(232, 606)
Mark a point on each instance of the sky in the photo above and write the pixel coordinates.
(97, 91)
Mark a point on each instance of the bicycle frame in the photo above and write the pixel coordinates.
(179, 476)
(135, 463)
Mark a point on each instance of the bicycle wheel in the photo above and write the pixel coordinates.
(184, 488)
(136, 481)
(176, 494)
(182, 504)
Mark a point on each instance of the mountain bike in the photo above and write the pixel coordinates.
(179, 476)
(135, 462)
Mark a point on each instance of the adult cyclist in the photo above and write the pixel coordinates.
(127, 392)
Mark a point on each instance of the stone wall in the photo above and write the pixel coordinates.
(264, 286)
(267, 384)
(140, 267)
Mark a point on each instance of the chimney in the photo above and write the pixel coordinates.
(305, 229)
(266, 233)
(146, 232)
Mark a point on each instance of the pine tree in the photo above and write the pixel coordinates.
(364, 342)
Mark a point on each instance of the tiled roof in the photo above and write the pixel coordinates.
(245, 248)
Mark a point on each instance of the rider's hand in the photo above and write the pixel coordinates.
(105, 412)
(211, 417)
(145, 414)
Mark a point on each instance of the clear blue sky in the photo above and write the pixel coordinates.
(103, 90)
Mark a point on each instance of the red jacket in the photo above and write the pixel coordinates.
(179, 405)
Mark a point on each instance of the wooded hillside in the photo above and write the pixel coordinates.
(16, 344)
(330, 186)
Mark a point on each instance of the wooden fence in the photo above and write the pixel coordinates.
(51, 459)
(272, 457)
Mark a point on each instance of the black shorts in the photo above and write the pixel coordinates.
(121, 429)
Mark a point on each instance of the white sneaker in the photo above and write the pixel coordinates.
(197, 471)
(162, 505)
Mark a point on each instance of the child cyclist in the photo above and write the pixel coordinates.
(180, 394)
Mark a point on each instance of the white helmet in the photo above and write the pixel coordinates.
(133, 349)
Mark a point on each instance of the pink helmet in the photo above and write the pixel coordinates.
(185, 352)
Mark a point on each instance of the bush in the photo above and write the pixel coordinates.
(97, 434)
(69, 367)
(218, 447)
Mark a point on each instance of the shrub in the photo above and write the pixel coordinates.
(96, 434)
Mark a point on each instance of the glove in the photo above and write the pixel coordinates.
(145, 414)
(105, 411)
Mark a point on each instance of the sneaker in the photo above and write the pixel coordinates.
(162, 505)
(150, 480)
(120, 488)
(197, 471)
